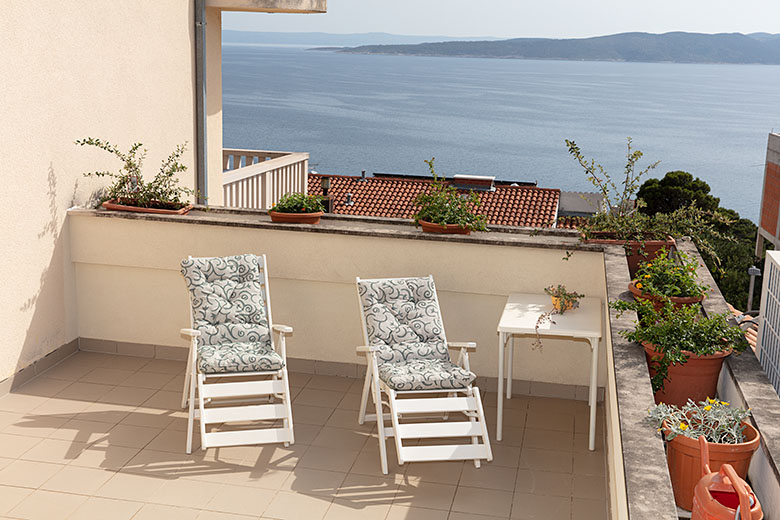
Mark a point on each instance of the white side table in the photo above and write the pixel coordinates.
(519, 318)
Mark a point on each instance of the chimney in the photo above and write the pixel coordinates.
(363, 175)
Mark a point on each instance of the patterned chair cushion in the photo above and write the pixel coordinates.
(228, 304)
(237, 357)
(402, 318)
(425, 374)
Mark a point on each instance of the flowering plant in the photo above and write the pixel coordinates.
(715, 419)
(563, 301)
(665, 277)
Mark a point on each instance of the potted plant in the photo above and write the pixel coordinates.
(619, 221)
(731, 440)
(562, 301)
(668, 278)
(443, 210)
(130, 192)
(684, 351)
(298, 208)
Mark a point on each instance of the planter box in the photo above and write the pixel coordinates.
(116, 206)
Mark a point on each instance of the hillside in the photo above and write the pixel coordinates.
(331, 39)
(678, 47)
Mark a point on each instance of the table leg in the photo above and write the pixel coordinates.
(510, 361)
(594, 368)
(500, 393)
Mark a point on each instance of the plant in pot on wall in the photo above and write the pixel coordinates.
(443, 210)
(562, 301)
(684, 350)
(619, 221)
(731, 440)
(130, 192)
(298, 208)
(668, 278)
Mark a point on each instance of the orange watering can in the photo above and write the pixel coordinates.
(722, 495)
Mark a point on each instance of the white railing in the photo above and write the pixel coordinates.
(768, 343)
(256, 179)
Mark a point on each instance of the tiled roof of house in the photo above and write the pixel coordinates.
(393, 197)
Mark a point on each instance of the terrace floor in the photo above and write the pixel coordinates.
(101, 436)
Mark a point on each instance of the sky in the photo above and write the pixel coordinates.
(521, 18)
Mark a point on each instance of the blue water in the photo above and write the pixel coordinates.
(507, 118)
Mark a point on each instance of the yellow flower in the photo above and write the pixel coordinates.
(683, 426)
(639, 285)
(708, 407)
(647, 276)
(724, 403)
(711, 401)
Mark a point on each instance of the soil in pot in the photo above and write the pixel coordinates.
(697, 379)
(296, 218)
(449, 229)
(636, 252)
(165, 208)
(684, 460)
(677, 301)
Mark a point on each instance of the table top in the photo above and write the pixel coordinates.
(523, 310)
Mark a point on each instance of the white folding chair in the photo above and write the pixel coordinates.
(236, 372)
(409, 364)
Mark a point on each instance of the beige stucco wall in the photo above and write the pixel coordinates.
(121, 71)
(129, 288)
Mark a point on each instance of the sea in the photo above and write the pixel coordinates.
(506, 118)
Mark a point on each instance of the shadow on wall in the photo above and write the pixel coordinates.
(53, 304)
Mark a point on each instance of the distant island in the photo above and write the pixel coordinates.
(675, 47)
(333, 39)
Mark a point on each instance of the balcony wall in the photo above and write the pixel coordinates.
(130, 290)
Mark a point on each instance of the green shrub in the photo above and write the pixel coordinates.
(299, 203)
(666, 277)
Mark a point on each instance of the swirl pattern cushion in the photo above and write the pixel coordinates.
(228, 308)
(402, 318)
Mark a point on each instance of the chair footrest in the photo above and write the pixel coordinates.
(259, 412)
(439, 429)
(237, 438)
(444, 452)
(242, 389)
(435, 405)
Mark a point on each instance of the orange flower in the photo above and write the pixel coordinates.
(639, 285)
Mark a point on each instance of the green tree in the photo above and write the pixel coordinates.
(676, 190)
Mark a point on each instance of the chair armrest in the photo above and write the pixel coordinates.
(192, 333)
(369, 348)
(469, 345)
(283, 329)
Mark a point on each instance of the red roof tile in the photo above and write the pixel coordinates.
(393, 197)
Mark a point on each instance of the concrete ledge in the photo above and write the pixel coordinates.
(648, 487)
(38, 367)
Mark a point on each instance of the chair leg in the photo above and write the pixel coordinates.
(191, 415)
(201, 379)
(396, 429)
(187, 380)
(481, 412)
(472, 419)
(380, 424)
(364, 396)
(288, 421)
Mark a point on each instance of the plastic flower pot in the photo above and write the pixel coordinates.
(296, 218)
(677, 301)
(696, 379)
(684, 459)
(449, 229)
(635, 251)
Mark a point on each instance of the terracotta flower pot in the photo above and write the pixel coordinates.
(696, 379)
(634, 249)
(117, 206)
(684, 460)
(677, 301)
(296, 218)
(556, 302)
(449, 229)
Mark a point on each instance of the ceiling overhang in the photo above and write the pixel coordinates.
(270, 6)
